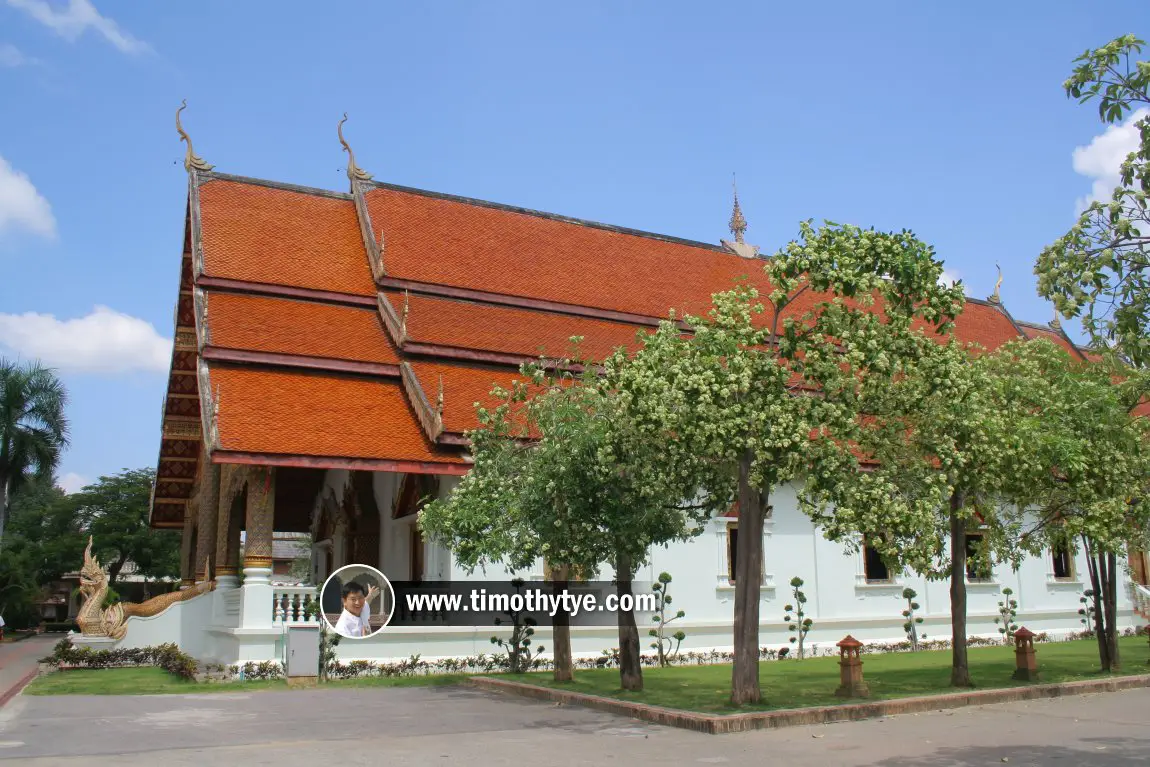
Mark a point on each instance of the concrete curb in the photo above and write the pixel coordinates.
(791, 717)
(15, 689)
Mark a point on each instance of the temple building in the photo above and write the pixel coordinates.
(330, 347)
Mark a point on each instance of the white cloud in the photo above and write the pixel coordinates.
(1102, 158)
(949, 277)
(11, 56)
(105, 341)
(21, 205)
(72, 483)
(78, 17)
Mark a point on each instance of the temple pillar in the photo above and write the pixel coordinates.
(260, 522)
(209, 509)
(228, 527)
(187, 569)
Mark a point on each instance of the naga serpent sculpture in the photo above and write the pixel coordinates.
(96, 620)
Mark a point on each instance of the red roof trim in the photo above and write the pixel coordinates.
(470, 355)
(286, 291)
(324, 462)
(276, 359)
(482, 296)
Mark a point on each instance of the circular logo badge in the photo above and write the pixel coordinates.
(357, 601)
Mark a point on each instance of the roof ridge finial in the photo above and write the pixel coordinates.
(354, 172)
(191, 160)
(996, 297)
(1056, 323)
(403, 319)
(738, 222)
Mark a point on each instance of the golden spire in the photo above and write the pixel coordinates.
(354, 172)
(190, 159)
(996, 298)
(737, 223)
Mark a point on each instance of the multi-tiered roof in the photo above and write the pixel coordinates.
(356, 330)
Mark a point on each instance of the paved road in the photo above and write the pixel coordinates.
(453, 726)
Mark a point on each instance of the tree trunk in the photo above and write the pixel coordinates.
(115, 568)
(1110, 606)
(630, 667)
(748, 579)
(960, 666)
(3, 507)
(561, 630)
(1094, 566)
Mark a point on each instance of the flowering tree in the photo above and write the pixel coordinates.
(1100, 466)
(958, 446)
(757, 396)
(1099, 268)
(548, 482)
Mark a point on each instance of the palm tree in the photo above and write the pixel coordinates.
(33, 429)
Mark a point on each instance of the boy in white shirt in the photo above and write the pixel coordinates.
(354, 620)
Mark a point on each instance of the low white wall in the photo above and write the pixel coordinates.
(184, 623)
(399, 643)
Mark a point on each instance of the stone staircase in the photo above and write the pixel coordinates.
(1141, 596)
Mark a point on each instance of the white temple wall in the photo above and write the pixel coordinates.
(840, 601)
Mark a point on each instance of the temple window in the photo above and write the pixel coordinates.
(732, 550)
(875, 568)
(1062, 562)
(978, 569)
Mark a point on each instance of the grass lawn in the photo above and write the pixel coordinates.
(132, 681)
(155, 681)
(812, 682)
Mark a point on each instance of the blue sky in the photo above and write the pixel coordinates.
(944, 118)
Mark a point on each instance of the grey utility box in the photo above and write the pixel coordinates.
(303, 651)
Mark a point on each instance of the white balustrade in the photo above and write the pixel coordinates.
(290, 604)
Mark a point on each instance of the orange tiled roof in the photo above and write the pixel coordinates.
(297, 413)
(1032, 332)
(259, 234)
(465, 245)
(984, 325)
(286, 326)
(463, 386)
(254, 233)
(508, 330)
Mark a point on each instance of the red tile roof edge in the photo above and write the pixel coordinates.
(284, 185)
(228, 285)
(327, 462)
(519, 302)
(299, 361)
(430, 419)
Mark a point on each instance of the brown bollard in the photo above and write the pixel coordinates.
(1024, 656)
(851, 684)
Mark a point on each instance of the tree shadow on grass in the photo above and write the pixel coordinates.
(1093, 752)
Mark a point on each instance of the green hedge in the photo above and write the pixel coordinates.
(166, 656)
